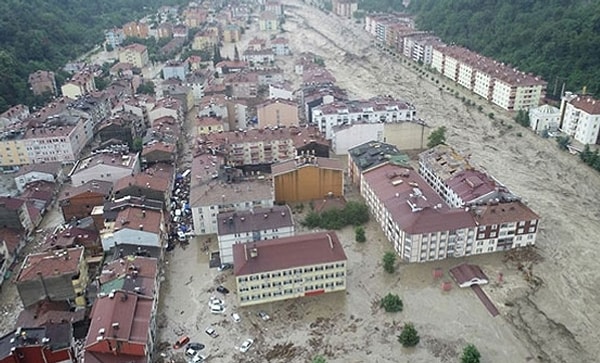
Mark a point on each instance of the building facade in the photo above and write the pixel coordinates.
(277, 112)
(581, 118)
(287, 268)
(544, 119)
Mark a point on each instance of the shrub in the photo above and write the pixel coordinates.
(389, 262)
(470, 355)
(409, 336)
(359, 234)
(392, 303)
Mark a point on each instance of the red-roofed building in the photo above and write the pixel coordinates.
(133, 225)
(158, 152)
(122, 329)
(55, 276)
(581, 118)
(290, 267)
(132, 273)
(78, 201)
(153, 183)
(18, 213)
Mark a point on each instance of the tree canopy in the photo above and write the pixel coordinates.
(558, 40)
(437, 136)
(409, 336)
(46, 34)
(470, 355)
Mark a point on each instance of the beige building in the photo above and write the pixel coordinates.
(268, 21)
(136, 30)
(136, 54)
(287, 268)
(277, 112)
(344, 8)
(232, 34)
(80, 84)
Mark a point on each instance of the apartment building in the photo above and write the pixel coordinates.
(344, 8)
(77, 202)
(306, 178)
(42, 82)
(422, 227)
(496, 82)
(136, 54)
(369, 155)
(80, 84)
(134, 225)
(381, 109)
(232, 33)
(581, 118)
(136, 30)
(214, 190)
(50, 172)
(286, 268)
(544, 119)
(277, 112)
(253, 225)
(105, 167)
(50, 343)
(268, 21)
(175, 69)
(280, 46)
(60, 275)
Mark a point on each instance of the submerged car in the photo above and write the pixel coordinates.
(246, 345)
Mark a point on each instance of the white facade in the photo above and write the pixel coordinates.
(345, 138)
(280, 92)
(205, 217)
(544, 118)
(483, 84)
(465, 76)
(130, 236)
(581, 119)
(107, 169)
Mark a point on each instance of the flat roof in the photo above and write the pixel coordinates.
(289, 252)
(299, 162)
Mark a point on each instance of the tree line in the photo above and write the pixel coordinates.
(46, 34)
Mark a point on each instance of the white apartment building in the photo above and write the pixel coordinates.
(545, 118)
(105, 166)
(376, 110)
(581, 118)
(253, 225)
(286, 268)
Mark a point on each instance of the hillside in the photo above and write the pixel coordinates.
(559, 40)
(45, 34)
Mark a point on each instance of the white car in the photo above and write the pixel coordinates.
(236, 317)
(215, 301)
(217, 309)
(246, 345)
(198, 358)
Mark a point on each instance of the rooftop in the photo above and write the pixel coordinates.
(444, 161)
(93, 186)
(471, 184)
(372, 153)
(288, 252)
(254, 220)
(56, 336)
(299, 162)
(141, 219)
(50, 263)
(158, 177)
(117, 160)
(587, 103)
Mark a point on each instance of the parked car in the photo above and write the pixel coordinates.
(215, 301)
(217, 309)
(222, 289)
(181, 342)
(246, 345)
(198, 358)
(211, 332)
(264, 316)
(225, 266)
(236, 317)
(193, 348)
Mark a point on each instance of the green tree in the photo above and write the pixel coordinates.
(392, 303)
(359, 234)
(356, 213)
(522, 118)
(437, 137)
(470, 354)
(319, 359)
(586, 154)
(409, 336)
(389, 262)
(563, 142)
(138, 144)
(146, 88)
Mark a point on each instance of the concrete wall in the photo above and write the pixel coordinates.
(308, 183)
(406, 135)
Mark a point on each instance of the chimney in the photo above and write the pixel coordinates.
(253, 252)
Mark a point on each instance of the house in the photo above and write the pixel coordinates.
(49, 344)
(43, 82)
(134, 225)
(80, 84)
(136, 54)
(277, 112)
(213, 191)
(110, 210)
(231, 33)
(544, 119)
(164, 30)
(78, 201)
(175, 69)
(291, 267)
(163, 129)
(249, 226)
(60, 275)
(136, 274)
(153, 183)
(581, 118)
(268, 21)
(19, 214)
(104, 166)
(370, 155)
(280, 46)
(50, 172)
(314, 95)
(158, 152)
(306, 178)
(122, 329)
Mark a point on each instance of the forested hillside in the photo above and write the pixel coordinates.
(45, 34)
(557, 39)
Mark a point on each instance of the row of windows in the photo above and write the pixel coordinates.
(291, 272)
(269, 294)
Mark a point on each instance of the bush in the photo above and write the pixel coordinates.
(389, 262)
(491, 115)
(470, 355)
(359, 234)
(354, 213)
(319, 359)
(437, 136)
(392, 303)
(409, 336)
